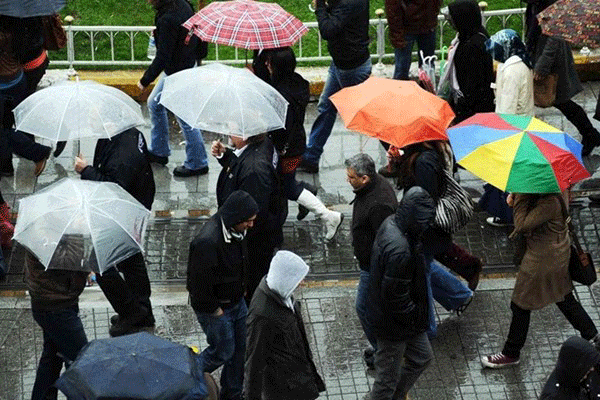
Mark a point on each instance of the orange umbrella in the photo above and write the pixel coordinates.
(397, 112)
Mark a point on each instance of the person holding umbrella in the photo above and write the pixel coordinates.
(175, 51)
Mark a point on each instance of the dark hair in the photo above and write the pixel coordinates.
(283, 62)
(406, 164)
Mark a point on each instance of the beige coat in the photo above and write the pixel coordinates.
(514, 88)
(543, 276)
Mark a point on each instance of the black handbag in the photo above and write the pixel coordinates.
(581, 265)
(454, 207)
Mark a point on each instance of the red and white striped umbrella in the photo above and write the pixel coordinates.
(247, 24)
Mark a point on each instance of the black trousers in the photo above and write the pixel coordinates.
(577, 116)
(129, 295)
(519, 325)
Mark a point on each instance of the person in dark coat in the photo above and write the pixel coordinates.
(216, 280)
(375, 200)
(175, 51)
(122, 159)
(250, 168)
(279, 363)
(398, 302)
(577, 372)
(472, 63)
(552, 55)
(55, 307)
(290, 142)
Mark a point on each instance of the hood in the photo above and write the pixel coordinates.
(507, 43)
(466, 18)
(415, 212)
(285, 273)
(575, 358)
(238, 207)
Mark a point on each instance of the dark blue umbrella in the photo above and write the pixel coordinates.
(138, 366)
(30, 8)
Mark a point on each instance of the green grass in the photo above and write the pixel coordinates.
(140, 13)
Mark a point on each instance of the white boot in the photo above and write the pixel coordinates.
(332, 219)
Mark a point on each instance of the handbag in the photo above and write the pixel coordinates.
(544, 91)
(454, 207)
(581, 265)
(55, 37)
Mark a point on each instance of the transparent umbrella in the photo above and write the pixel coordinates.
(223, 99)
(74, 110)
(108, 218)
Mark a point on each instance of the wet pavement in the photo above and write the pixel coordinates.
(328, 296)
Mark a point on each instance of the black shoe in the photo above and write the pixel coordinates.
(589, 143)
(369, 357)
(184, 172)
(306, 166)
(114, 319)
(60, 146)
(303, 211)
(124, 326)
(148, 321)
(153, 158)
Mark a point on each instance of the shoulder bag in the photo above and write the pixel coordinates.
(454, 207)
(581, 265)
(544, 91)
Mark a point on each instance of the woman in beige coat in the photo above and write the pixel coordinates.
(543, 276)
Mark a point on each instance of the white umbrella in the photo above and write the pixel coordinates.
(223, 99)
(74, 110)
(103, 214)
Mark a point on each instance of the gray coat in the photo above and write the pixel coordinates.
(554, 56)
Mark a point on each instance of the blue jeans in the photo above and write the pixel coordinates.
(403, 56)
(362, 297)
(321, 129)
(195, 153)
(226, 337)
(64, 337)
(446, 289)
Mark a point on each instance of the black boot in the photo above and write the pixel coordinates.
(303, 211)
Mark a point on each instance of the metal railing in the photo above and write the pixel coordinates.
(127, 45)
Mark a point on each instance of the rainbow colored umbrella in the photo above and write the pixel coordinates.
(517, 153)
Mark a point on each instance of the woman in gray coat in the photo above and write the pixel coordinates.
(552, 55)
(543, 276)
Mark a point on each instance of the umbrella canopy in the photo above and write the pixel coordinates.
(103, 213)
(397, 112)
(577, 21)
(518, 154)
(30, 8)
(73, 110)
(223, 99)
(246, 24)
(138, 366)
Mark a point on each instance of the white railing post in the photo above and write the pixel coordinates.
(70, 45)
(379, 67)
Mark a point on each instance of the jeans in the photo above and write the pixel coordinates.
(393, 379)
(64, 337)
(362, 298)
(128, 295)
(337, 79)
(226, 337)
(159, 135)
(519, 325)
(403, 56)
(446, 289)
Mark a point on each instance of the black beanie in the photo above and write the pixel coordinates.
(238, 207)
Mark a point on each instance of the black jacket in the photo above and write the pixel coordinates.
(291, 141)
(122, 160)
(172, 53)
(575, 358)
(279, 364)
(345, 26)
(474, 65)
(398, 291)
(371, 205)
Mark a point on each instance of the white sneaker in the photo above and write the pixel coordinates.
(497, 222)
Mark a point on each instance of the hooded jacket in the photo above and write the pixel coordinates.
(279, 364)
(398, 292)
(575, 359)
(345, 26)
(473, 64)
(172, 53)
(410, 17)
(122, 159)
(217, 266)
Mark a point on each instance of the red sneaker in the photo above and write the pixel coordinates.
(499, 360)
